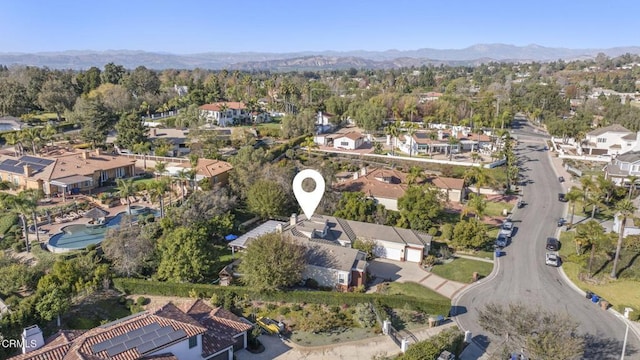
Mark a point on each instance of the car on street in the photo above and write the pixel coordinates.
(552, 244)
(506, 229)
(501, 241)
(561, 197)
(552, 259)
(561, 179)
(561, 222)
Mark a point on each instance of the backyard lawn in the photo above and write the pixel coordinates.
(462, 270)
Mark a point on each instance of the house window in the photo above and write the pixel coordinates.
(602, 140)
(215, 179)
(344, 143)
(342, 278)
(193, 342)
(120, 172)
(104, 176)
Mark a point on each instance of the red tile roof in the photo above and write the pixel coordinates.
(381, 183)
(218, 106)
(354, 135)
(447, 183)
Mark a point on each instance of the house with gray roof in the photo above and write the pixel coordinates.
(622, 167)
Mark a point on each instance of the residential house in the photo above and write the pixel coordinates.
(385, 186)
(10, 123)
(423, 142)
(61, 171)
(622, 167)
(610, 140)
(453, 189)
(323, 122)
(178, 138)
(350, 141)
(217, 171)
(195, 332)
(225, 113)
(630, 227)
(429, 96)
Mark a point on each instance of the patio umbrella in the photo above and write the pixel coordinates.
(231, 237)
(95, 213)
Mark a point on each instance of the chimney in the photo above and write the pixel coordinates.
(97, 152)
(293, 220)
(86, 155)
(153, 131)
(27, 171)
(279, 228)
(440, 134)
(355, 175)
(32, 339)
(363, 171)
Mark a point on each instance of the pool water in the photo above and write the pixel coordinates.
(79, 236)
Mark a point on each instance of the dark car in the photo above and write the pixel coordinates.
(553, 244)
(561, 197)
(561, 222)
(561, 179)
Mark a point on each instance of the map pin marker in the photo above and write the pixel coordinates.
(308, 201)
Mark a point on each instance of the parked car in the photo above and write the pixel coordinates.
(561, 179)
(553, 244)
(506, 229)
(552, 259)
(269, 326)
(561, 222)
(501, 241)
(561, 197)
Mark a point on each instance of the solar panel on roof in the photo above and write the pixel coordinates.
(101, 346)
(146, 347)
(151, 327)
(130, 344)
(120, 338)
(116, 349)
(164, 331)
(177, 335)
(161, 341)
(10, 162)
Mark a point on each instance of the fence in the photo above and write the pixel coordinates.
(573, 170)
(165, 159)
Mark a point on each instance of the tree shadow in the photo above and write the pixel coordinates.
(630, 264)
(457, 310)
(598, 348)
(602, 267)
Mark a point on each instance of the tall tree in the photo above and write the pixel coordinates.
(272, 262)
(143, 148)
(267, 199)
(94, 119)
(113, 73)
(186, 255)
(57, 95)
(478, 175)
(419, 207)
(625, 208)
(126, 189)
(572, 197)
(591, 235)
(131, 131)
(126, 248)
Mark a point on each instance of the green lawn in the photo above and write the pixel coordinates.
(306, 338)
(142, 183)
(462, 270)
(494, 209)
(622, 292)
(411, 289)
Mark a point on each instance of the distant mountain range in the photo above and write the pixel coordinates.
(308, 60)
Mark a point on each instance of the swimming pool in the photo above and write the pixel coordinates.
(79, 236)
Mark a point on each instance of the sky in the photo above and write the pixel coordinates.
(278, 26)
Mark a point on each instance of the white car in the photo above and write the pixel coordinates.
(552, 259)
(506, 229)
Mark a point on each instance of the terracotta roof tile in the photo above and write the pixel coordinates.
(218, 105)
(382, 183)
(447, 183)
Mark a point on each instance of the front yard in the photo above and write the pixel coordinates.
(461, 270)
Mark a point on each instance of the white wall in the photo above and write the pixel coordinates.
(325, 277)
(389, 204)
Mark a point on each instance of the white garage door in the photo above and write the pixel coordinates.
(388, 253)
(414, 255)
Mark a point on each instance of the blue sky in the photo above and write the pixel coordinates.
(189, 26)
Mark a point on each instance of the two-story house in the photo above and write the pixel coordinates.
(323, 122)
(225, 113)
(622, 167)
(609, 140)
(197, 331)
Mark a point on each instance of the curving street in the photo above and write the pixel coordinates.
(522, 276)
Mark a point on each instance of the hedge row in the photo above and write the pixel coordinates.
(282, 148)
(147, 287)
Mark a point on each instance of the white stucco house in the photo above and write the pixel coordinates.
(610, 140)
(323, 122)
(224, 113)
(350, 141)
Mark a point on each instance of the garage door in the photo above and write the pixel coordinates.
(388, 253)
(414, 255)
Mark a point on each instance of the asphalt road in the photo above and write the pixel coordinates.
(522, 276)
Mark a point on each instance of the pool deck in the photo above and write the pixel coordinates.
(55, 228)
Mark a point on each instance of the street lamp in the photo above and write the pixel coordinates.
(626, 333)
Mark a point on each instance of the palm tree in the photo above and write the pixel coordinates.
(161, 168)
(591, 235)
(32, 136)
(475, 157)
(414, 174)
(411, 129)
(48, 133)
(23, 206)
(157, 190)
(632, 184)
(143, 148)
(30, 197)
(587, 185)
(476, 203)
(126, 189)
(309, 143)
(478, 174)
(393, 131)
(13, 139)
(433, 136)
(452, 141)
(572, 196)
(183, 176)
(625, 209)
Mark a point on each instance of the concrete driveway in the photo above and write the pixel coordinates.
(274, 348)
(399, 271)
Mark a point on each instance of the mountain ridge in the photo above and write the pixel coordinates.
(307, 60)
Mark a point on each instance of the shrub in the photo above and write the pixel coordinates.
(296, 307)
(364, 316)
(447, 231)
(18, 246)
(433, 231)
(142, 301)
(311, 283)
(271, 306)
(284, 310)
(6, 222)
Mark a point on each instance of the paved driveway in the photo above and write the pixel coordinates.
(390, 270)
